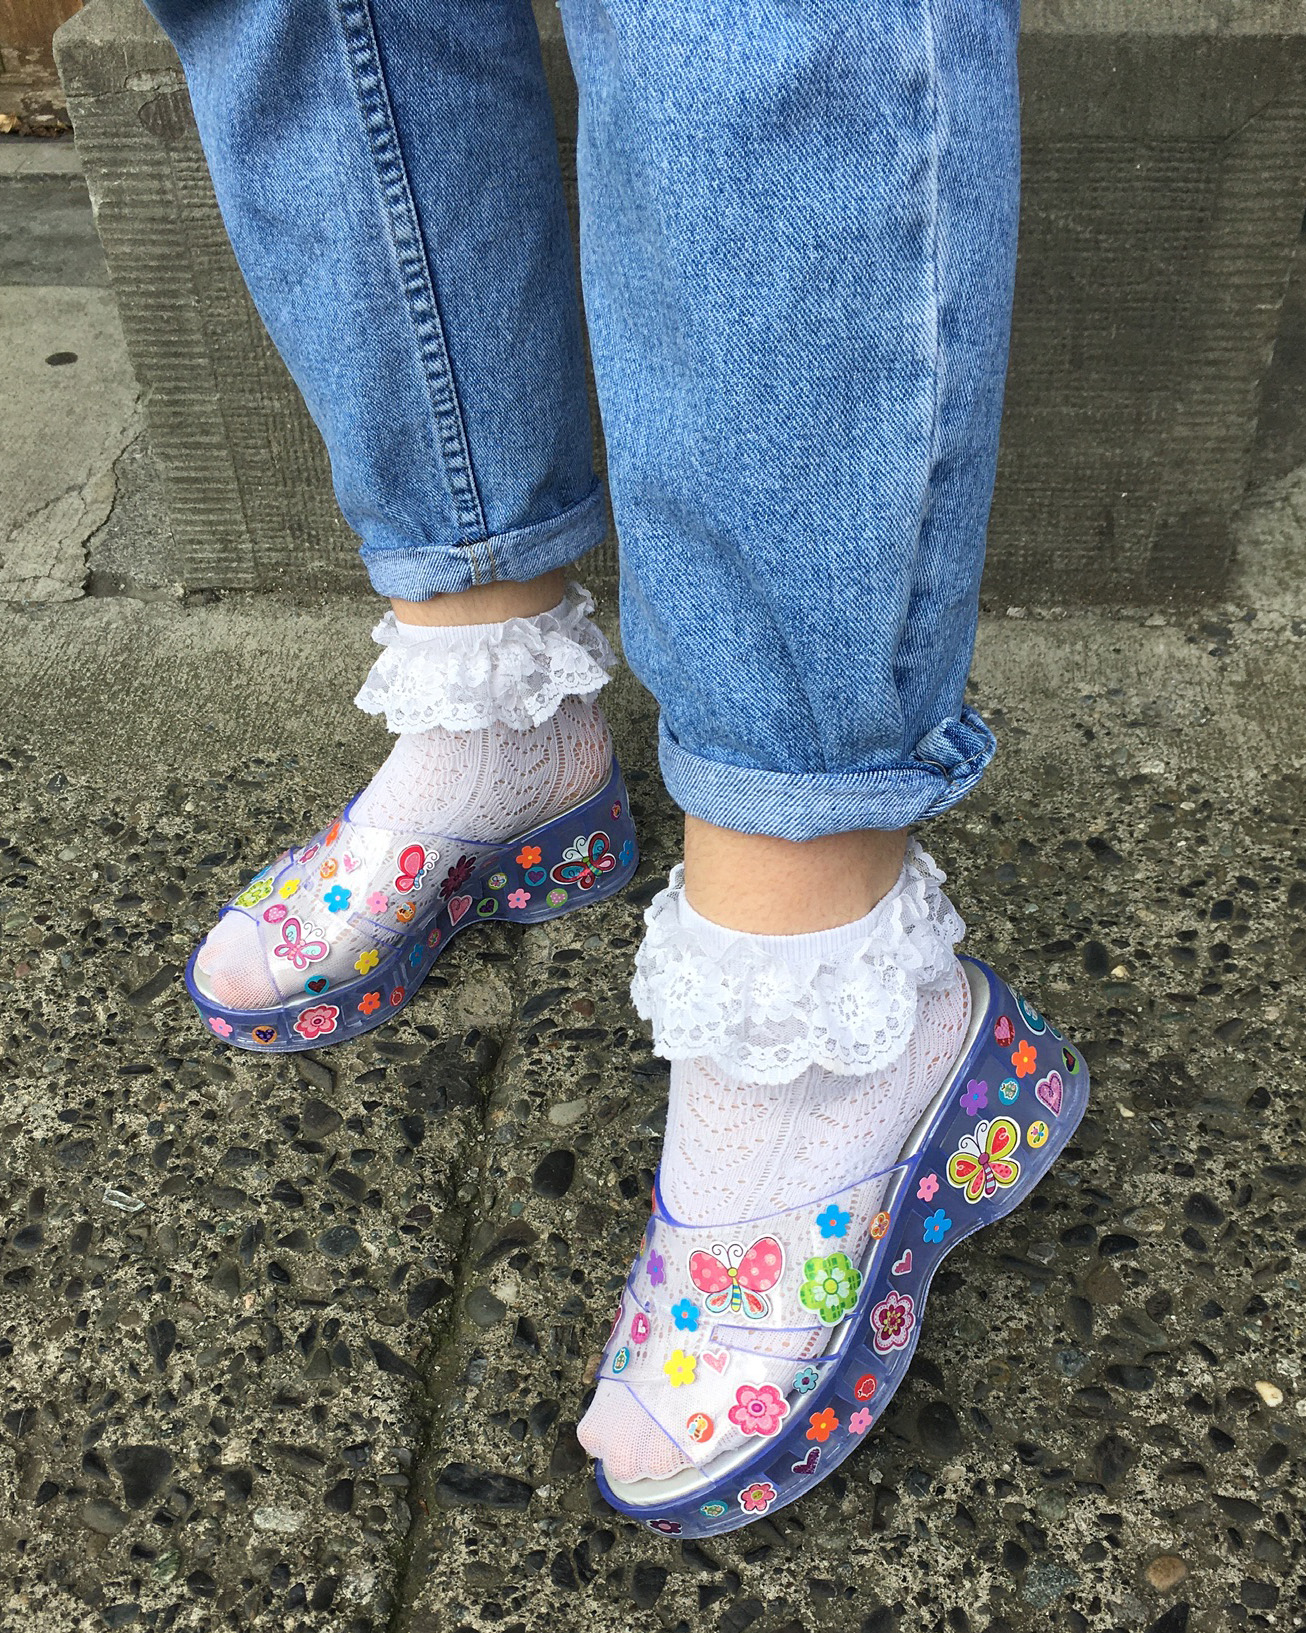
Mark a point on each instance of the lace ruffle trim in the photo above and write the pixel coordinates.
(767, 1015)
(511, 674)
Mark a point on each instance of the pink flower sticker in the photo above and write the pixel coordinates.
(892, 1320)
(860, 1422)
(757, 1498)
(224, 1029)
(377, 902)
(759, 1409)
(927, 1187)
(518, 898)
(318, 1021)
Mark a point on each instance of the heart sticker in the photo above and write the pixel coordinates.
(903, 1266)
(1072, 1065)
(1004, 1033)
(717, 1359)
(264, 1034)
(808, 1464)
(1048, 1091)
(319, 983)
(457, 907)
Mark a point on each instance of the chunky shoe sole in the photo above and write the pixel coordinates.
(1013, 1100)
(564, 869)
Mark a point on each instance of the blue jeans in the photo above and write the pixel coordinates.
(798, 244)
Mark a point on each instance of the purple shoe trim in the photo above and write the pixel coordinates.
(955, 1179)
(585, 856)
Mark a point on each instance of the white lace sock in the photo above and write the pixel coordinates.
(820, 1054)
(498, 731)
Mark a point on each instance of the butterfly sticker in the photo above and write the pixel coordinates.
(982, 1160)
(412, 865)
(300, 947)
(735, 1280)
(583, 861)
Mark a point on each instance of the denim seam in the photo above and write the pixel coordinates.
(416, 279)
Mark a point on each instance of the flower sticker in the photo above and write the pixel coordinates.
(830, 1287)
(976, 1097)
(371, 1001)
(927, 1187)
(336, 899)
(937, 1226)
(224, 1029)
(822, 1424)
(860, 1421)
(759, 1409)
(367, 962)
(805, 1380)
(892, 1320)
(757, 1498)
(685, 1315)
(332, 833)
(626, 852)
(529, 856)
(834, 1221)
(518, 898)
(657, 1269)
(288, 889)
(318, 1021)
(679, 1367)
(668, 1528)
(640, 1328)
(254, 892)
(457, 876)
(1025, 1058)
(377, 902)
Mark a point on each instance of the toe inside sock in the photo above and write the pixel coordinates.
(230, 967)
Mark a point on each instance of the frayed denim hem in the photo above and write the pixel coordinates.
(949, 761)
(417, 572)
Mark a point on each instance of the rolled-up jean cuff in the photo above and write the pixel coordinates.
(417, 572)
(950, 760)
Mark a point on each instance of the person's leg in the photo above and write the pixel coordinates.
(798, 249)
(388, 177)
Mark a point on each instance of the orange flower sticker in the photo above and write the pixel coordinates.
(529, 855)
(823, 1424)
(333, 833)
(1024, 1059)
(370, 1002)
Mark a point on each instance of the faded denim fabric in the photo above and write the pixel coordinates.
(798, 243)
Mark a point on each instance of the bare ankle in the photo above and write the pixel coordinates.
(485, 603)
(768, 886)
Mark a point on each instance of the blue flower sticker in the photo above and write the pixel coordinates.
(834, 1221)
(626, 852)
(937, 1226)
(685, 1315)
(337, 899)
(806, 1380)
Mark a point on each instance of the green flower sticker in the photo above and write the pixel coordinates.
(255, 891)
(830, 1287)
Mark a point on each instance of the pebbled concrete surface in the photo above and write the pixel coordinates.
(303, 1343)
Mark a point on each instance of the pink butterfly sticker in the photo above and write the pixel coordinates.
(412, 865)
(294, 947)
(734, 1279)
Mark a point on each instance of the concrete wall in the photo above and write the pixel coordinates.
(1165, 179)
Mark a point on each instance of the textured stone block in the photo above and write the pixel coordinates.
(1165, 178)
